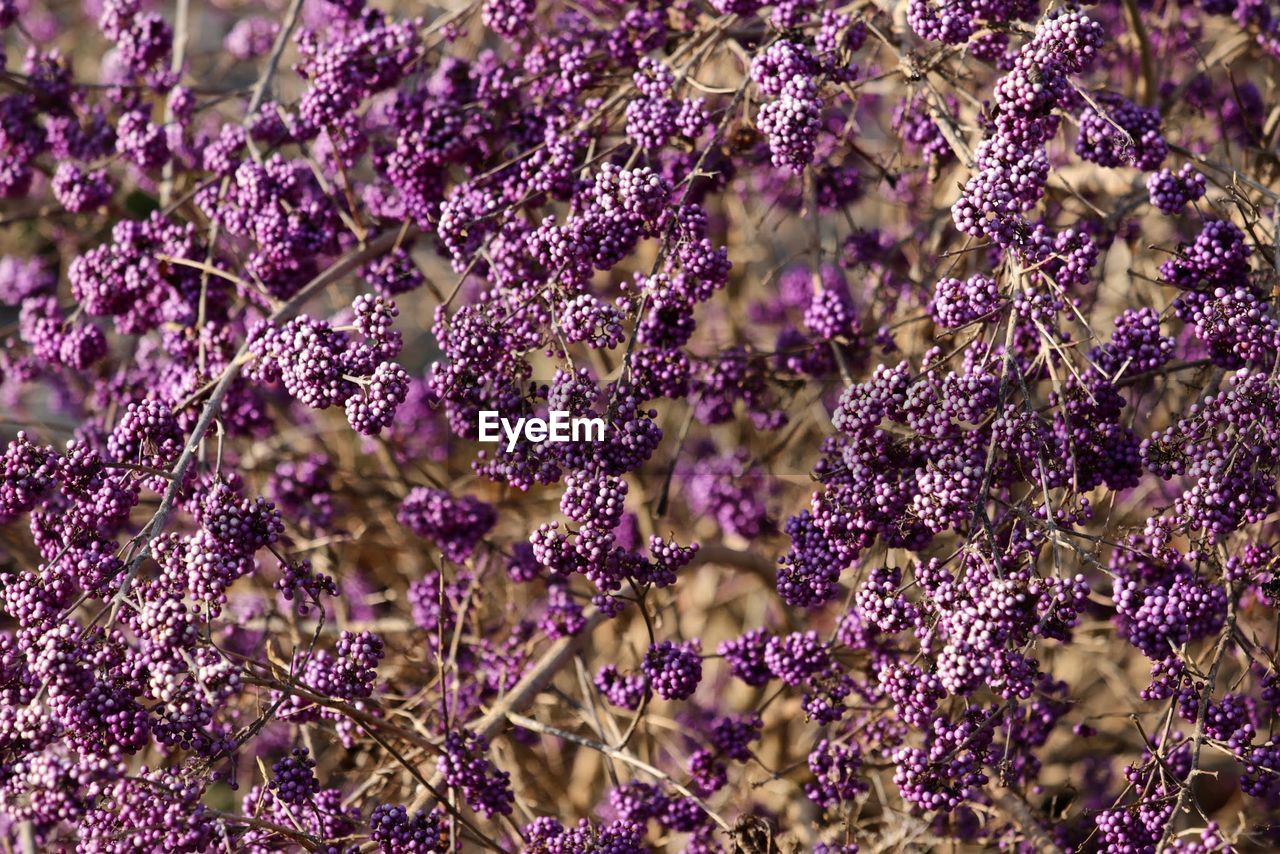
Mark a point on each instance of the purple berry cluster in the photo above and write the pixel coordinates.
(928, 359)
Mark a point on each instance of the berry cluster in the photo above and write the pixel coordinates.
(934, 347)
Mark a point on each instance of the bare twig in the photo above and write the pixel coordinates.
(273, 61)
(556, 657)
(620, 755)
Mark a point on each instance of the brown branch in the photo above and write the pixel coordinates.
(1206, 696)
(306, 840)
(620, 755)
(1148, 86)
(358, 716)
(1020, 811)
(273, 61)
(754, 562)
(519, 698)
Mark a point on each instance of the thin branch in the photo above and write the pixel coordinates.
(620, 755)
(528, 688)
(273, 61)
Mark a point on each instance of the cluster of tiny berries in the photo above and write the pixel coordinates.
(934, 347)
